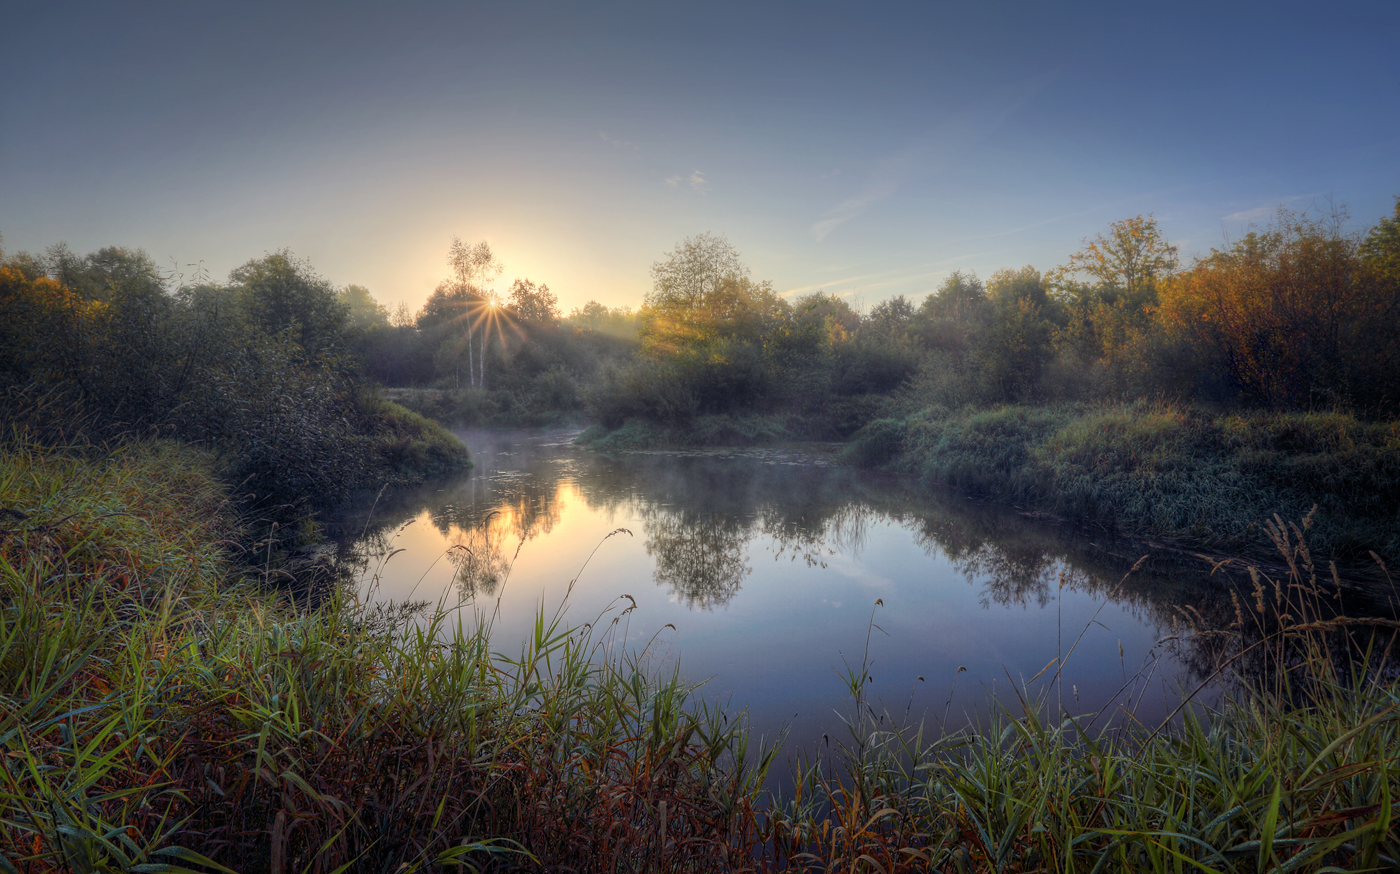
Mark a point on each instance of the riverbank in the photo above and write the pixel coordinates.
(1172, 472)
(555, 402)
(157, 697)
(162, 708)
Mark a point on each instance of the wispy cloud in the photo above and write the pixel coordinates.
(1249, 215)
(696, 181)
(875, 282)
(937, 150)
(876, 189)
(621, 144)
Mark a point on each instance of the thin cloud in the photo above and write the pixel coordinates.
(1249, 215)
(936, 151)
(874, 191)
(696, 181)
(621, 144)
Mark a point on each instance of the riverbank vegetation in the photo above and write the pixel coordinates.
(1168, 471)
(165, 711)
(1300, 315)
(260, 371)
(165, 705)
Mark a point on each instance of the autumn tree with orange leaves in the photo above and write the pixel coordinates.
(1300, 314)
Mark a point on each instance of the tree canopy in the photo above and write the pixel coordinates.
(283, 293)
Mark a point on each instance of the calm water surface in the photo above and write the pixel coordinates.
(758, 573)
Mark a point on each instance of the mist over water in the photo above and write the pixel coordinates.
(758, 573)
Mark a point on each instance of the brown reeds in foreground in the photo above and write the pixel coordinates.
(158, 714)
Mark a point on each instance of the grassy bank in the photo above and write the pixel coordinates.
(411, 448)
(159, 709)
(554, 401)
(1162, 470)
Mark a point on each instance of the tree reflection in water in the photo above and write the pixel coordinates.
(477, 554)
(702, 513)
(702, 559)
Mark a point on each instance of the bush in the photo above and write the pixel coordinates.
(876, 443)
(1163, 470)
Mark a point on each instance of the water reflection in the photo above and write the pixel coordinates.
(700, 514)
(701, 558)
(774, 535)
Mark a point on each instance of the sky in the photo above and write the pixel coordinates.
(864, 150)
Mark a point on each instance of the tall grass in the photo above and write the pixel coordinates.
(157, 716)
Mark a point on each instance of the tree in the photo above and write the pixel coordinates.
(619, 322)
(1110, 288)
(1297, 315)
(890, 318)
(949, 320)
(533, 303)
(697, 268)
(460, 304)
(402, 316)
(1381, 248)
(1017, 345)
(283, 293)
(363, 312)
(1125, 265)
(961, 298)
(834, 319)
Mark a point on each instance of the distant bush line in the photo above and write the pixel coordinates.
(259, 371)
(1165, 470)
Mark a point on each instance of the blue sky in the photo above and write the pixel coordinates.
(863, 149)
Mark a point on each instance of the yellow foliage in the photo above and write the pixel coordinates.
(1291, 314)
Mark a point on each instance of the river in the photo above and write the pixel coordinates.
(769, 574)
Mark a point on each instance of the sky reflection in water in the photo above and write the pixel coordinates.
(769, 564)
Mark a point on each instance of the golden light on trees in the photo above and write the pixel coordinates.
(1294, 313)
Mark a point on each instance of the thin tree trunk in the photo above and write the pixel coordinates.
(471, 371)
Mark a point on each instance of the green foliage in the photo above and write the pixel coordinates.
(282, 293)
(697, 269)
(1381, 247)
(120, 354)
(363, 312)
(619, 323)
(534, 304)
(1164, 470)
(716, 430)
(875, 444)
